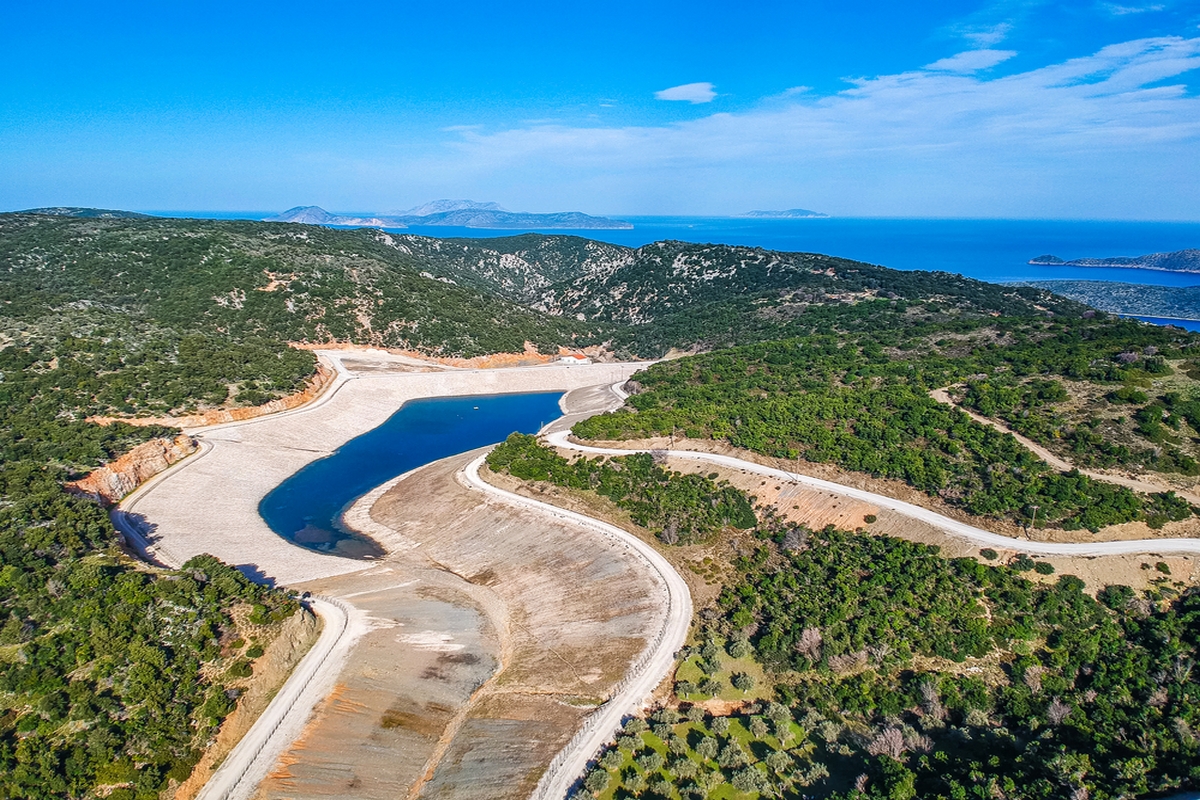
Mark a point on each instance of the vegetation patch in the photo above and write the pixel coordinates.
(892, 672)
(849, 401)
(678, 508)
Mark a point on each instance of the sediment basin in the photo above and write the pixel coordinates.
(209, 502)
(307, 507)
(480, 636)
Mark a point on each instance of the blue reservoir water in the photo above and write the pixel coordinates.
(304, 509)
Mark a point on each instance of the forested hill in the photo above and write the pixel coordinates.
(282, 282)
(705, 296)
(1101, 392)
(456, 296)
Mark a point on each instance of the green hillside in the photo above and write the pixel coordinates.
(831, 362)
(281, 282)
(861, 402)
(864, 667)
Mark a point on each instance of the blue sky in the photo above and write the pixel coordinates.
(998, 109)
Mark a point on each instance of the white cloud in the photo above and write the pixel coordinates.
(1120, 11)
(1100, 135)
(691, 92)
(986, 35)
(971, 61)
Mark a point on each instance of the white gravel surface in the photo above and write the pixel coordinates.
(951, 526)
(654, 664)
(208, 503)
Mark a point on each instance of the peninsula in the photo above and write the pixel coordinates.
(1178, 261)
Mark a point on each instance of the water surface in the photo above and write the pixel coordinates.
(1186, 324)
(305, 508)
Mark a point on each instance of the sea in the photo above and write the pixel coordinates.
(993, 250)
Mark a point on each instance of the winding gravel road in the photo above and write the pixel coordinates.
(253, 757)
(951, 526)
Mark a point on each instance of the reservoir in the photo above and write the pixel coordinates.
(304, 509)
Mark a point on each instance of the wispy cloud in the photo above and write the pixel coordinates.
(1121, 10)
(690, 92)
(986, 35)
(971, 61)
(1087, 136)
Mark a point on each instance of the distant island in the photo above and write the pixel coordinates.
(454, 213)
(791, 213)
(1178, 261)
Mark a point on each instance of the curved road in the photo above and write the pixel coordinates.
(655, 662)
(951, 526)
(253, 756)
(256, 752)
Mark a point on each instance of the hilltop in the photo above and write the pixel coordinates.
(251, 279)
(85, 213)
(703, 296)
(455, 297)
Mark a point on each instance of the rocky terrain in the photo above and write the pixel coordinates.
(1175, 302)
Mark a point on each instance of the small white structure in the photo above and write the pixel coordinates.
(574, 358)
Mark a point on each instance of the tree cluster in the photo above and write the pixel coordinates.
(677, 507)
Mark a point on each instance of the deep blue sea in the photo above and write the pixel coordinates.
(304, 508)
(990, 250)
(1186, 324)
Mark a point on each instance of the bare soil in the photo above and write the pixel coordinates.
(494, 637)
(271, 671)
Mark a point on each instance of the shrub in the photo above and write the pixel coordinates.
(240, 669)
(742, 681)
(597, 781)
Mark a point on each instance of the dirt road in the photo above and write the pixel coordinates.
(1137, 485)
(951, 526)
